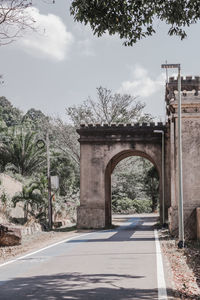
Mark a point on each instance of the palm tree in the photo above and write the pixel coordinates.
(34, 198)
(22, 153)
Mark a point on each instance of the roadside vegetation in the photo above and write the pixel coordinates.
(24, 157)
(135, 186)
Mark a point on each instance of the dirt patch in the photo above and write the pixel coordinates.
(184, 265)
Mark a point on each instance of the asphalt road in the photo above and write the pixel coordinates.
(111, 264)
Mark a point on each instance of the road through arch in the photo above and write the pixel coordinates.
(108, 175)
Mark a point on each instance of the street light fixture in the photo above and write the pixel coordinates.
(163, 175)
(180, 207)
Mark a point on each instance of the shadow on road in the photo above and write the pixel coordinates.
(126, 232)
(76, 286)
(73, 286)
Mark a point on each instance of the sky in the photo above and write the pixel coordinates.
(62, 63)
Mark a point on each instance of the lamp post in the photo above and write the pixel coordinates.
(180, 207)
(49, 181)
(41, 143)
(163, 175)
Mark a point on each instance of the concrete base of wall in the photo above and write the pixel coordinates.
(173, 220)
(90, 218)
(198, 223)
(190, 222)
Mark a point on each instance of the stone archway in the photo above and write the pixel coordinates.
(108, 174)
(102, 147)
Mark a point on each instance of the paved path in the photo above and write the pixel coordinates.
(113, 264)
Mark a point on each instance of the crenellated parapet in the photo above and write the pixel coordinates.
(119, 128)
(190, 95)
(125, 132)
(188, 83)
(121, 125)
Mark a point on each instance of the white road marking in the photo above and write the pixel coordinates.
(162, 292)
(42, 249)
(50, 246)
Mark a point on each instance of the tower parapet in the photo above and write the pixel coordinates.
(190, 92)
(188, 83)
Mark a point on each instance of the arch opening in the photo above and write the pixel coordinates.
(132, 184)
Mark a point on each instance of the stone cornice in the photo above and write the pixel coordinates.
(122, 132)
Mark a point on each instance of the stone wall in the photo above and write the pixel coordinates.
(198, 223)
(9, 186)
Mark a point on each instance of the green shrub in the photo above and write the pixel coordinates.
(126, 205)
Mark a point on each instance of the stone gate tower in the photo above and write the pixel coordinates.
(190, 92)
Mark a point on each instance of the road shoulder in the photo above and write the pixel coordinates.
(37, 241)
(183, 282)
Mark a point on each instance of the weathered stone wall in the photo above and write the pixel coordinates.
(190, 153)
(102, 148)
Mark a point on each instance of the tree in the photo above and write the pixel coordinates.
(66, 169)
(9, 114)
(34, 198)
(14, 18)
(134, 20)
(22, 154)
(108, 108)
(66, 140)
(36, 119)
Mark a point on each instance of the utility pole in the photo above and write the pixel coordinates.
(181, 218)
(49, 181)
(181, 242)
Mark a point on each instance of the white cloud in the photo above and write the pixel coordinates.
(51, 38)
(85, 39)
(86, 47)
(141, 84)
